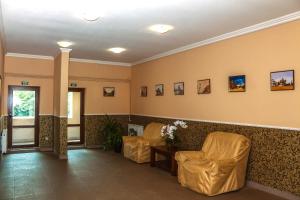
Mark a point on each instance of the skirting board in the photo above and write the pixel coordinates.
(63, 157)
(273, 191)
(46, 149)
(94, 147)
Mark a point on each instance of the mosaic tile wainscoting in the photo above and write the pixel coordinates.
(46, 132)
(274, 159)
(93, 123)
(60, 137)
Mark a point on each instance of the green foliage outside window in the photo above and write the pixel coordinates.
(24, 103)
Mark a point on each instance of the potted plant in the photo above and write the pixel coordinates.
(112, 130)
(169, 133)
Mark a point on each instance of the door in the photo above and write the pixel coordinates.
(23, 116)
(76, 116)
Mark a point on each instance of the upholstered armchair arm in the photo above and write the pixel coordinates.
(223, 166)
(130, 138)
(182, 156)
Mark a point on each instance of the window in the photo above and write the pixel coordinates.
(70, 104)
(23, 103)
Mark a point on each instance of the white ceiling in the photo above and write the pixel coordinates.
(34, 26)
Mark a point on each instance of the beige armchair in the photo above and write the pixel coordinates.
(137, 148)
(218, 168)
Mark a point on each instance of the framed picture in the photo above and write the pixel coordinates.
(282, 80)
(144, 91)
(109, 91)
(203, 86)
(237, 83)
(179, 88)
(159, 90)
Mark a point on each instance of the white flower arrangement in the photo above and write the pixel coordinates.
(169, 131)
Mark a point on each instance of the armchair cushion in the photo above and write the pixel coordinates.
(220, 166)
(137, 148)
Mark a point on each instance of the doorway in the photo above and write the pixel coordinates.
(23, 116)
(75, 116)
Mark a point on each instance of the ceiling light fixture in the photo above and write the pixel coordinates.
(64, 44)
(90, 16)
(117, 49)
(161, 28)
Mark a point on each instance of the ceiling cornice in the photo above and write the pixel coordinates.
(243, 31)
(20, 55)
(100, 62)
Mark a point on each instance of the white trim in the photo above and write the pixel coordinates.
(223, 122)
(66, 50)
(90, 114)
(243, 31)
(20, 55)
(100, 62)
(286, 195)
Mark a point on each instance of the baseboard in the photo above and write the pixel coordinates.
(63, 157)
(94, 146)
(286, 195)
(46, 149)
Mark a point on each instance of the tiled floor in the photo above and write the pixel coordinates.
(96, 174)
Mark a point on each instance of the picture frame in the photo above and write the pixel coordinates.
(203, 86)
(179, 88)
(282, 80)
(237, 83)
(109, 91)
(159, 90)
(144, 91)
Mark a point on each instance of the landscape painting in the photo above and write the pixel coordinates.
(179, 88)
(282, 80)
(109, 91)
(203, 86)
(237, 83)
(159, 90)
(144, 91)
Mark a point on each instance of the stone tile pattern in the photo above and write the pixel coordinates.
(46, 131)
(93, 123)
(60, 136)
(274, 159)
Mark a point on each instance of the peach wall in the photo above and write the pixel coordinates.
(31, 66)
(93, 77)
(93, 70)
(1, 74)
(254, 55)
(39, 72)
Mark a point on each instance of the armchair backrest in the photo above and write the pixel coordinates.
(222, 145)
(153, 131)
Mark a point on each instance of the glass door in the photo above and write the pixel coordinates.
(75, 116)
(23, 116)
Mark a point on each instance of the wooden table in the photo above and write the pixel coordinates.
(170, 164)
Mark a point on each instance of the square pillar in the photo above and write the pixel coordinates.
(61, 75)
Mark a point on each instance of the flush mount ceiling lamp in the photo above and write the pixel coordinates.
(117, 50)
(65, 44)
(161, 28)
(90, 16)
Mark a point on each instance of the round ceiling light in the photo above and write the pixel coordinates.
(90, 16)
(117, 49)
(64, 44)
(161, 28)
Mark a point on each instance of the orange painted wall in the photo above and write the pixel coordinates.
(39, 72)
(1, 74)
(255, 55)
(93, 77)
